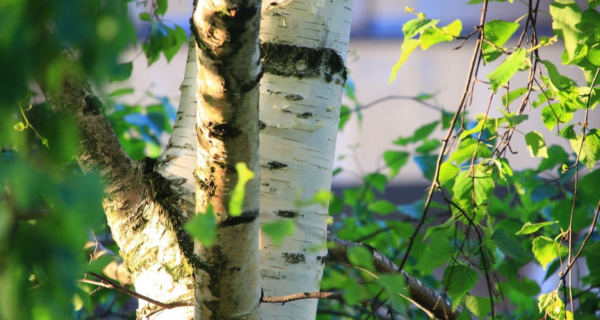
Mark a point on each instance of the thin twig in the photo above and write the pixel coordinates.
(302, 296)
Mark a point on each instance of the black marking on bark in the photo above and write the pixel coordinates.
(275, 165)
(287, 213)
(159, 190)
(245, 217)
(261, 125)
(302, 62)
(293, 97)
(223, 130)
(293, 258)
(233, 21)
(304, 115)
(93, 105)
(286, 111)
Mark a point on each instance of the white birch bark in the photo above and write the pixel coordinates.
(227, 281)
(304, 46)
(178, 161)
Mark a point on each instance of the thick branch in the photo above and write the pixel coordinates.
(143, 212)
(424, 297)
(100, 150)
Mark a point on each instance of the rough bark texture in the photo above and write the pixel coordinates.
(227, 275)
(303, 48)
(143, 212)
(428, 300)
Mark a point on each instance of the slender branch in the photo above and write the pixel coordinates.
(392, 97)
(422, 296)
(108, 283)
(435, 183)
(587, 237)
(302, 296)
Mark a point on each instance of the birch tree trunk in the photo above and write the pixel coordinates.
(304, 47)
(144, 212)
(227, 281)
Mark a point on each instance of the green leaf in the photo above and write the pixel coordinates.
(593, 54)
(162, 7)
(203, 227)
(590, 152)
(566, 15)
(536, 144)
(145, 16)
(545, 250)
(433, 36)
(529, 228)
(344, 117)
(497, 32)
(588, 187)
(428, 146)
(436, 254)
(408, 46)
(361, 257)
(395, 160)
(237, 196)
(377, 181)
(444, 230)
(558, 157)
(459, 279)
(466, 150)
(554, 76)
(568, 132)
(382, 207)
(509, 245)
(512, 95)
(507, 69)
(414, 26)
(424, 131)
(448, 171)
(20, 126)
(122, 72)
(277, 231)
(555, 114)
(593, 3)
(513, 119)
(120, 92)
(478, 305)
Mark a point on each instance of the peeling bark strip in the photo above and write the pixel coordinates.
(425, 298)
(143, 213)
(229, 70)
(302, 62)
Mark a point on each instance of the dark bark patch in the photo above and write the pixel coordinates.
(223, 130)
(245, 217)
(93, 106)
(287, 213)
(293, 97)
(304, 115)
(276, 165)
(302, 62)
(261, 125)
(293, 258)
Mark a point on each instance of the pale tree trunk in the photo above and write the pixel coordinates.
(304, 47)
(144, 212)
(227, 281)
